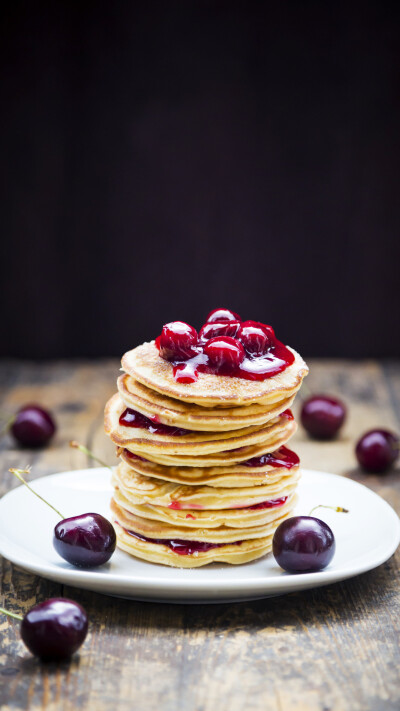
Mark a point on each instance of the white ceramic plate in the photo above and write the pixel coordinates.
(365, 538)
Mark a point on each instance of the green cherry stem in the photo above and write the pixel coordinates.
(11, 614)
(338, 509)
(6, 427)
(85, 450)
(18, 473)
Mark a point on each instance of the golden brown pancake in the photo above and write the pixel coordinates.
(235, 475)
(172, 412)
(145, 365)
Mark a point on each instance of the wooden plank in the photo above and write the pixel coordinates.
(330, 648)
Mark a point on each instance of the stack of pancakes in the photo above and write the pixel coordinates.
(206, 476)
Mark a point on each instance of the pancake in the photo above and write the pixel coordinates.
(145, 365)
(172, 412)
(214, 518)
(197, 443)
(155, 529)
(219, 458)
(235, 475)
(154, 552)
(139, 489)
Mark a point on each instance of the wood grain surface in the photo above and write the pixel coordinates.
(327, 649)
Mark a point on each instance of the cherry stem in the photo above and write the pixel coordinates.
(11, 614)
(18, 473)
(338, 509)
(6, 427)
(85, 450)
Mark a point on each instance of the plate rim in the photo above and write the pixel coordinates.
(168, 588)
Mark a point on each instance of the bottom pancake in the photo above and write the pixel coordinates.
(154, 546)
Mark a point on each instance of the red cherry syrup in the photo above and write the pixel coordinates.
(258, 354)
(132, 418)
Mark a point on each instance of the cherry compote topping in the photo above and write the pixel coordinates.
(282, 457)
(256, 337)
(177, 340)
(132, 418)
(222, 315)
(226, 346)
(181, 546)
(225, 354)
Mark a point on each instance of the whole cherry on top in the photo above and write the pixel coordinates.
(86, 541)
(225, 345)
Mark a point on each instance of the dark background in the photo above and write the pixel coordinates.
(162, 159)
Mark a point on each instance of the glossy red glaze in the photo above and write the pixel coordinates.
(282, 457)
(183, 547)
(274, 503)
(131, 455)
(259, 354)
(132, 418)
(222, 315)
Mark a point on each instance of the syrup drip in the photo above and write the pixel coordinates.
(183, 547)
(132, 418)
(282, 457)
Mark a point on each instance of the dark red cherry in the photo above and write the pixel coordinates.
(224, 353)
(255, 337)
(216, 329)
(177, 341)
(85, 541)
(222, 315)
(377, 450)
(33, 426)
(54, 629)
(322, 416)
(303, 544)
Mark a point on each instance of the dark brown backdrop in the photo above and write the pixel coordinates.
(160, 159)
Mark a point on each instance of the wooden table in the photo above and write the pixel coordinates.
(325, 649)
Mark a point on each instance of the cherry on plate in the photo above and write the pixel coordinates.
(303, 544)
(33, 426)
(377, 450)
(85, 541)
(322, 416)
(224, 353)
(54, 629)
(222, 315)
(177, 341)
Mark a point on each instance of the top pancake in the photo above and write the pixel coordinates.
(172, 412)
(145, 365)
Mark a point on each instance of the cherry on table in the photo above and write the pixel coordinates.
(177, 341)
(303, 544)
(224, 353)
(377, 450)
(33, 426)
(322, 416)
(54, 629)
